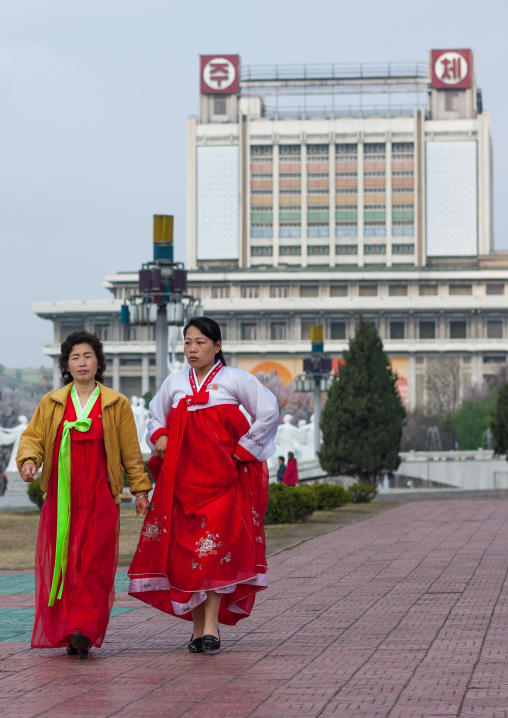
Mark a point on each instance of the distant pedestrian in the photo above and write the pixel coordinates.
(3, 484)
(291, 474)
(281, 470)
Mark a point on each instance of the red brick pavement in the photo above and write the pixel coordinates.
(402, 615)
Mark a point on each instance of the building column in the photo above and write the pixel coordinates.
(331, 205)
(303, 204)
(420, 257)
(275, 203)
(145, 374)
(192, 238)
(388, 197)
(411, 380)
(57, 377)
(116, 373)
(360, 202)
(441, 334)
(476, 369)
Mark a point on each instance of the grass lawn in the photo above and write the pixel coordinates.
(18, 531)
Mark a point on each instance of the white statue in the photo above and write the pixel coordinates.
(142, 426)
(306, 450)
(175, 334)
(298, 439)
(12, 436)
(287, 439)
(140, 412)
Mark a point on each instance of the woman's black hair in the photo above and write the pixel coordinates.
(210, 329)
(81, 337)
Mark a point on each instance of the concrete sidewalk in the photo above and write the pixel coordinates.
(404, 614)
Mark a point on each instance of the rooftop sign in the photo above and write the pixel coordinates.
(220, 74)
(451, 69)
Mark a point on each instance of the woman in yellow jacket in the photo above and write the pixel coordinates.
(84, 436)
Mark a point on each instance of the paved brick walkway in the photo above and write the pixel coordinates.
(404, 614)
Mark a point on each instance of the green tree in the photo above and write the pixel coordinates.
(499, 422)
(362, 419)
(471, 422)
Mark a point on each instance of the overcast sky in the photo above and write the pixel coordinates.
(95, 95)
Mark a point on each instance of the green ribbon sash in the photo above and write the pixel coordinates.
(63, 520)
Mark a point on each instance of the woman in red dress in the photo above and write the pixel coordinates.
(201, 554)
(84, 435)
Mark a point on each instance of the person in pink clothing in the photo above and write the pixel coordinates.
(291, 475)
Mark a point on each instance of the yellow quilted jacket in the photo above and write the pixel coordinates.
(120, 439)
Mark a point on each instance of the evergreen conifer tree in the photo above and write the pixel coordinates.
(499, 422)
(362, 419)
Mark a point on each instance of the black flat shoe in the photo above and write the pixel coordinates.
(195, 645)
(71, 651)
(210, 643)
(81, 644)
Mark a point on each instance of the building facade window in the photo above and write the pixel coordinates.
(337, 330)
(289, 149)
(427, 329)
(249, 292)
(278, 331)
(261, 149)
(305, 328)
(427, 290)
(318, 249)
(397, 330)
(293, 232)
(261, 251)
(130, 333)
(460, 290)
(397, 290)
(279, 291)
(220, 292)
(248, 331)
(290, 250)
(338, 290)
(219, 107)
(495, 289)
(494, 329)
(310, 290)
(265, 233)
(103, 331)
(375, 249)
(458, 329)
(367, 290)
(70, 327)
(346, 249)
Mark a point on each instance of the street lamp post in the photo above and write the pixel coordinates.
(162, 299)
(317, 367)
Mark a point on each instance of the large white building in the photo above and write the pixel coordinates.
(317, 192)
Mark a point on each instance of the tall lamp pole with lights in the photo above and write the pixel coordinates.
(161, 299)
(317, 366)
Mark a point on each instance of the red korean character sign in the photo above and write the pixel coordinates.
(451, 69)
(220, 74)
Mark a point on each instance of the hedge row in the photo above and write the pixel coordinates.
(292, 504)
(286, 504)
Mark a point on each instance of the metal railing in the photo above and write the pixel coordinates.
(334, 71)
(329, 112)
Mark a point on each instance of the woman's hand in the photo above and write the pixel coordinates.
(142, 505)
(28, 472)
(236, 458)
(160, 446)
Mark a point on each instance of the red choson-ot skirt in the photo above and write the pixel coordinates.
(206, 531)
(88, 592)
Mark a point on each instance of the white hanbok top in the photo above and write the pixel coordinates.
(229, 386)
